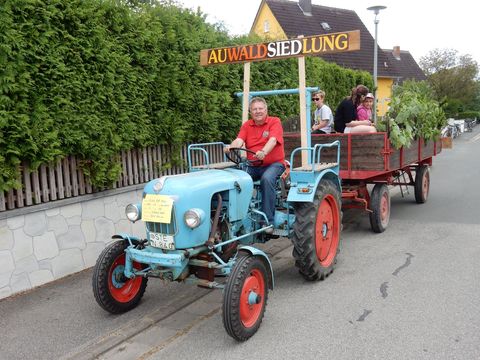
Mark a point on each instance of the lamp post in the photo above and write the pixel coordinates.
(376, 9)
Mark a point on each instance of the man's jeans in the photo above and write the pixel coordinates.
(268, 176)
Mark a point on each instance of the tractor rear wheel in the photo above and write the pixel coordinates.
(245, 297)
(316, 232)
(113, 291)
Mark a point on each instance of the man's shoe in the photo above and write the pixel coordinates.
(269, 230)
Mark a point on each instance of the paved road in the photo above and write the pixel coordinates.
(411, 292)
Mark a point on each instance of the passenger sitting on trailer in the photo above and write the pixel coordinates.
(364, 110)
(323, 115)
(346, 113)
(264, 135)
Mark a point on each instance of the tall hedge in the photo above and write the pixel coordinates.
(93, 77)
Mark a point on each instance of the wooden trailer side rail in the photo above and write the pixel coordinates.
(367, 156)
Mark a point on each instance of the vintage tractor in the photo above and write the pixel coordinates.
(200, 227)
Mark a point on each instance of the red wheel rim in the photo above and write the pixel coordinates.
(425, 185)
(384, 208)
(123, 290)
(254, 284)
(327, 230)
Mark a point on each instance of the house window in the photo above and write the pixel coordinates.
(325, 26)
(266, 26)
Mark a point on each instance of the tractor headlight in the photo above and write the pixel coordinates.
(193, 218)
(133, 212)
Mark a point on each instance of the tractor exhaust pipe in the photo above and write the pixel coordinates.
(211, 239)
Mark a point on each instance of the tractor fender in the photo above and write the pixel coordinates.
(257, 252)
(333, 176)
(329, 174)
(133, 240)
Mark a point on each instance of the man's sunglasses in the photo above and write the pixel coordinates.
(315, 99)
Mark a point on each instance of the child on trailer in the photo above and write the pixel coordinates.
(364, 116)
(364, 110)
(346, 113)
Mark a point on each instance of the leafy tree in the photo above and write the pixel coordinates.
(453, 78)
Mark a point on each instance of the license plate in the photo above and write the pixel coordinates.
(162, 241)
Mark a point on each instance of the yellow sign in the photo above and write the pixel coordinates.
(157, 208)
(310, 45)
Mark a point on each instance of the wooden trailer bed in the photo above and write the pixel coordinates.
(367, 156)
(371, 159)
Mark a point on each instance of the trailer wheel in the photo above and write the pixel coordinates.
(245, 298)
(422, 184)
(113, 291)
(316, 233)
(380, 206)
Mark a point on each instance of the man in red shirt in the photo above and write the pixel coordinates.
(263, 134)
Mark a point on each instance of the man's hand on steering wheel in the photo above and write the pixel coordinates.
(234, 155)
(260, 154)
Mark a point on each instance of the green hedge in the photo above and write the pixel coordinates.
(469, 115)
(90, 78)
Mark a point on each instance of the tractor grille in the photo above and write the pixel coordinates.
(168, 229)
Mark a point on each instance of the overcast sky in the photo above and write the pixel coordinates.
(415, 25)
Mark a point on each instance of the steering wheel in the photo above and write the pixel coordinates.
(235, 156)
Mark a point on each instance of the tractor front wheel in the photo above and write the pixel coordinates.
(113, 291)
(245, 297)
(316, 232)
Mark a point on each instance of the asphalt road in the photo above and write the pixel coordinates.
(411, 292)
(408, 293)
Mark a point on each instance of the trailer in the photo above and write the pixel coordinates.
(370, 159)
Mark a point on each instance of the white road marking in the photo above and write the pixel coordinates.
(475, 138)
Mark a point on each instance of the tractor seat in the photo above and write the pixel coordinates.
(317, 167)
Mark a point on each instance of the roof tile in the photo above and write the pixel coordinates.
(294, 23)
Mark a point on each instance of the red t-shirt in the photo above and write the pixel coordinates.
(256, 136)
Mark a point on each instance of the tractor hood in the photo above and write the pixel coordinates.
(196, 190)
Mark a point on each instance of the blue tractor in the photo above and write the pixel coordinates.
(201, 225)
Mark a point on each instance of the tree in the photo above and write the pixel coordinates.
(453, 78)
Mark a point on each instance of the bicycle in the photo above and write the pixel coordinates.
(469, 124)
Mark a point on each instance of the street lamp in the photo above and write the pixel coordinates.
(376, 10)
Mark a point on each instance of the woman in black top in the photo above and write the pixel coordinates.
(347, 111)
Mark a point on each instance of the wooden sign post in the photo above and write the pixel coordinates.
(303, 107)
(246, 91)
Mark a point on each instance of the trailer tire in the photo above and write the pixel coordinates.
(316, 232)
(114, 292)
(380, 206)
(422, 184)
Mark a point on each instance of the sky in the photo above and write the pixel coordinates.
(417, 26)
